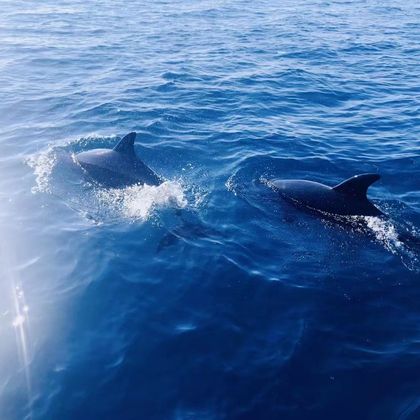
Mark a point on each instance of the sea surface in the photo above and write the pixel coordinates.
(208, 297)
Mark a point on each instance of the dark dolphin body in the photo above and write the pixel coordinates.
(345, 199)
(117, 167)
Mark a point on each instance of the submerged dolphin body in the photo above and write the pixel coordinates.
(346, 199)
(117, 167)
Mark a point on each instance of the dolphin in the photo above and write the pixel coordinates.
(345, 199)
(117, 167)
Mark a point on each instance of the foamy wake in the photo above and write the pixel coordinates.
(386, 233)
(140, 201)
(42, 165)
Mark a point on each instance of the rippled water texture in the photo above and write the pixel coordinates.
(208, 297)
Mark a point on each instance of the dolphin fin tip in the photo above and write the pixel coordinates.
(126, 144)
(358, 185)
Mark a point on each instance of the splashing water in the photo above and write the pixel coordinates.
(397, 238)
(43, 165)
(387, 234)
(139, 201)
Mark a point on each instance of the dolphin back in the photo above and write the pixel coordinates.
(118, 166)
(346, 199)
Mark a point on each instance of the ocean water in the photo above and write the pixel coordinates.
(208, 297)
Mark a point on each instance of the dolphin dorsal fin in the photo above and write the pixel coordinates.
(126, 144)
(357, 186)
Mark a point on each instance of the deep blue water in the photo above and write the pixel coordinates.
(207, 297)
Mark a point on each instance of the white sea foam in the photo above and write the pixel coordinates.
(386, 233)
(43, 165)
(139, 201)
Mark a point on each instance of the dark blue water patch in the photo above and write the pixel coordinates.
(194, 333)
